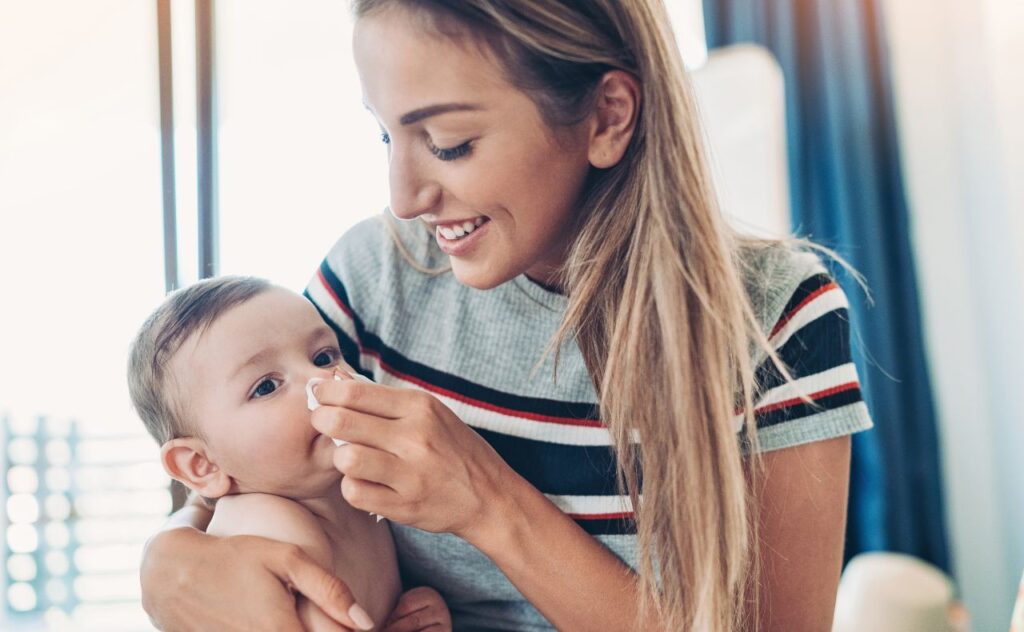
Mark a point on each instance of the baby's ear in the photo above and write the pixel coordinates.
(185, 460)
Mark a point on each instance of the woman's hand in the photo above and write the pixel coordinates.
(411, 460)
(194, 581)
(421, 608)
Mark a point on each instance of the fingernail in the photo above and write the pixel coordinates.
(360, 617)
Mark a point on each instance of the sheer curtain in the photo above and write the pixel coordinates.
(846, 190)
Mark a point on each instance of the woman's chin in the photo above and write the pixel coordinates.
(478, 274)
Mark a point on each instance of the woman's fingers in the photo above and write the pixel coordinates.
(372, 497)
(361, 396)
(353, 426)
(194, 581)
(369, 464)
(328, 592)
(316, 620)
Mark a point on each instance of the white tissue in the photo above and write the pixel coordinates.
(312, 404)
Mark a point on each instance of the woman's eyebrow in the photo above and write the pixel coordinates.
(432, 110)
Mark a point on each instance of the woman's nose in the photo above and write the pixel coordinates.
(412, 194)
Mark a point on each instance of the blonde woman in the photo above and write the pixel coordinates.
(596, 408)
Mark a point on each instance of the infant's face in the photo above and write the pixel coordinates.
(243, 383)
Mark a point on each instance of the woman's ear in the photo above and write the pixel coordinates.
(185, 460)
(616, 108)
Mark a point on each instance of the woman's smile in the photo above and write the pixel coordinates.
(458, 239)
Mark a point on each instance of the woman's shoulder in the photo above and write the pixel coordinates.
(377, 242)
(360, 246)
(774, 272)
(804, 315)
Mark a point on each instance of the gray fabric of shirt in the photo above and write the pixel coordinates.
(494, 338)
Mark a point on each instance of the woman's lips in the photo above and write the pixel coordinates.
(452, 244)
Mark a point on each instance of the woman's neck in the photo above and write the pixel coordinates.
(549, 282)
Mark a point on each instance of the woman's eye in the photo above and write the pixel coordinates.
(444, 153)
(452, 153)
(326, 357)
(264, 388)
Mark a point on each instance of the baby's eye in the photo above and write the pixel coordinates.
(326, 357)
(264, 388)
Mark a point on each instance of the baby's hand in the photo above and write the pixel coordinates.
(421, 608)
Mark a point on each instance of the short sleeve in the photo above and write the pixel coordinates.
(823, 399)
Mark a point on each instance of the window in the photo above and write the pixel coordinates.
(81, 264)
(300, 158)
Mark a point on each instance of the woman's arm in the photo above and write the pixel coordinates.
(803, 516)
(410, 459)
(569, 576)
(803, 527)
(193, 514)
(194, 581)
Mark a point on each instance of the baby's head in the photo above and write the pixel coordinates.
(218, 373)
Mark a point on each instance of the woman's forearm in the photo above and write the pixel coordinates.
(570, 577)
(193, 514)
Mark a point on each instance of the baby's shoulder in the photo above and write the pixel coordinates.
(274, 517)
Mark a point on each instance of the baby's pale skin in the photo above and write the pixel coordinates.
(345, 541)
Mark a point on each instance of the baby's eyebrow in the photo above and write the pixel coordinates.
(256, 358)
(325, 333)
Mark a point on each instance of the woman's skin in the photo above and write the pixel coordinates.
(410, 458)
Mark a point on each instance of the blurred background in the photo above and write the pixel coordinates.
(144, 144)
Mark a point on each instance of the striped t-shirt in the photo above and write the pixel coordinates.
(476, 351)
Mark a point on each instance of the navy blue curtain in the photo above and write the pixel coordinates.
(847, 193)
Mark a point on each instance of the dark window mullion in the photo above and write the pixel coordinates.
(206, 140)
(163, 13)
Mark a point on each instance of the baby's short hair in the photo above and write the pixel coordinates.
(183, 313)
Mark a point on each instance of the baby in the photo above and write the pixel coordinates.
(219, 374)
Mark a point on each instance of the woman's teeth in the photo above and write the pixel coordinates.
(456, 231)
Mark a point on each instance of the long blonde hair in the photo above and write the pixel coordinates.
(657, 300)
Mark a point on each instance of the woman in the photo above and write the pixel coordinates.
(548, 152)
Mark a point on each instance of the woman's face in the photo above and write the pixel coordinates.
(469, 152)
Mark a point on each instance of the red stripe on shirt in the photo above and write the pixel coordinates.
(841, 388)
(604, 516)
(433, 388)
(337, 299)
(810, 297)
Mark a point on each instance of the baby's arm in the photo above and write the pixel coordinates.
(285, 520)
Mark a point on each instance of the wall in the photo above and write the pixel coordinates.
(959, 114)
